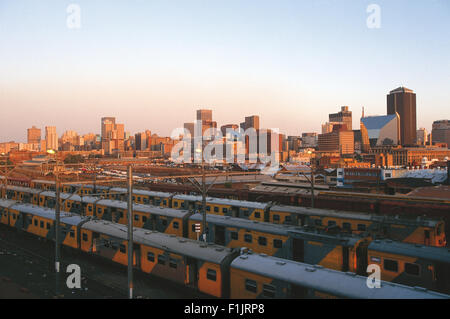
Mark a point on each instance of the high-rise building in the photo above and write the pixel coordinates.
(441, 131)
(204, 115)
(51, 138)
(113, 135)
(226, 127)
(339, 140)
(381, 130)
(344, 116)
(422, 136)
(190, 128)
(403, 102)
(252, 122)
(309, 139)
(34, 135)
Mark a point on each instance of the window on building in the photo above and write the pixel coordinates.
(262, 241)
(412, 269)
(277, 243)
(391, 265)
(268, 291)
(150, 256)
(250, 285)
(211, 274)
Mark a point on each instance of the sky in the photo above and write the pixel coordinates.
(151, 64)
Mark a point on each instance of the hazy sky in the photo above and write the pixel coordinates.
(151, 64)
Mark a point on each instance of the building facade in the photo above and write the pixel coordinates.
(403, 102)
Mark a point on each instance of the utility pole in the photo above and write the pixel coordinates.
(57, 231)
(130, 231)
(203, 198)
(312, 186)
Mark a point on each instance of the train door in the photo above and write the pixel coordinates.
(442, 272)
(219, 235)
(191, 272)
(267, 215)
(345, 256)
(298, 249)
(137, 255)
(235, 211)
(361, 259)
(426, 237)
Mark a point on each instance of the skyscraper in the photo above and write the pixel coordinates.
(34, 135)
(51, 138)
(441, 131)
(252, 122)
(113, 135)
(403, 101)
(344, 116)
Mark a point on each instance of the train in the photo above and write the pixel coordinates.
(419, 230)
(415, 264)
(211, 269)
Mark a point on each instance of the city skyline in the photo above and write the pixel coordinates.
(275, 60)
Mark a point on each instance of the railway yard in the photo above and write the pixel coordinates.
(336, 241)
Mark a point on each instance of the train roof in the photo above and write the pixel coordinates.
(144, 208)
(66, 218)
(234, 202)
(5, 203)
(171, 243)
(277, 229)
(141, 192)
(441, 254)
(341, 284)
(422, 221)
(24, 189)
(43, 181)
(192, 198)
(90, 186)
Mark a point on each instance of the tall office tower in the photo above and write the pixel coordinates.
(51, 138)
(252, 122)
(344, 116)
(422, 136)
(204, 115)
(190, 128)
(339, 140)
(140, 141)
(34, 135)
(403, 101)
(441, 132)
(112, 135)
(226, 127)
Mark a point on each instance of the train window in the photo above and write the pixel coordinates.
(277, 243)
(85, 237)
(99, 210)
(248, 238)
(211, 274)
(150, 256)
(346, 226)
(234, 235)
(72, 234)
(122, 248)
(173, 263)
(121, 214)
(245, 211)
(287, 219)
(136, 217)
(41, 224)
(164, 202)
(145, 200)
(134, 198)
(144, 219)
(276, 218)
(250, 285)
(427, 234)
(164, 222)
(412, 269)
(175, 204)
(262, 241)
(35, 222)
(193, 228)
(361, 227)
(90, 208)
(208, 208)
(48, 225)
(216, 209)
(331, 223)
(391, 265)
(224, 210)
(257, 214)
(318, 222)
(161, 259)
(268, 291)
